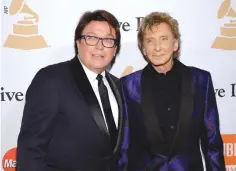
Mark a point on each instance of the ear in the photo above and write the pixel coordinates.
(115, 49)
(176, 45)
(144, 52)
(78, 42)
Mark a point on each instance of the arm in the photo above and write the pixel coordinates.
(37, 123)
(123, 162)
(211, 141)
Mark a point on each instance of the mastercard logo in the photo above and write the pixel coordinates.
(9, 160)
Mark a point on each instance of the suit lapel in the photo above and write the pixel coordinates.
(116, 93)
(186, 109)
(151, 122)
(87, 91)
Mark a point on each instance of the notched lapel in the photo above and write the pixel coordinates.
(86, 90)
(116, 93)
(151, 122)
(186, 110)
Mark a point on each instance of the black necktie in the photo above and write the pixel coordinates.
(107, 110)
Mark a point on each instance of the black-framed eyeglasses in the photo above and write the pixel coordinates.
(93, 41)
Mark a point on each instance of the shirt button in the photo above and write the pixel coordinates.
(172, 127)
(169, 109)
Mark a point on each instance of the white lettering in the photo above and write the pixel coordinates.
(10, 164)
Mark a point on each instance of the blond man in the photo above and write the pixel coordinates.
(171, 107)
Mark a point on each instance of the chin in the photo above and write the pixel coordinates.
(160, 62)
(155, 63)
(100, 65)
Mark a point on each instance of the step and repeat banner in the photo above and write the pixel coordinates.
(37, 33)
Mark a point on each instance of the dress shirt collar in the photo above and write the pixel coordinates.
(90, 74)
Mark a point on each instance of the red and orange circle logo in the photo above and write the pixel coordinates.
(9, 160)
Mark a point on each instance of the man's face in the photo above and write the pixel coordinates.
(96, 57)
(159, 45)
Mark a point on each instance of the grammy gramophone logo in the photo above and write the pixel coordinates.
(128, 70)
(25, 34)
(227, 38)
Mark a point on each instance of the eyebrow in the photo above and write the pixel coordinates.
(149, 37)
(163, 36)
(155, 37)
(94, 34)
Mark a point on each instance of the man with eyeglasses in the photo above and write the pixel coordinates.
(73, 117)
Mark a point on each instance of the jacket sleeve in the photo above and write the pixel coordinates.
(211, 141)
(37, 123)
(123, 162)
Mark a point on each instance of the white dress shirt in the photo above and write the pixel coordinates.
(94, 83)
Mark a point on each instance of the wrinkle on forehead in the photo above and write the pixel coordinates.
(152, 29)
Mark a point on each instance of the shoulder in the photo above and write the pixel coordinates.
(54, 69)
(132, 77)
(195, 71)
(199, 72)
(51, 73)
(132, 83)
(200, 76)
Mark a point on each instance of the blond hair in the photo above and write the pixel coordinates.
(156, 18)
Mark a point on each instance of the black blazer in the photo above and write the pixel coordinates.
(62, 127)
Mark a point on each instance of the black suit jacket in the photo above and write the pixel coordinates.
(62, 127)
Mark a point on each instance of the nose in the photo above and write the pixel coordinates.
(157, 46)
(99, 44)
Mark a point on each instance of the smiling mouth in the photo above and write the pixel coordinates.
(96, 55)
(158, 55)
